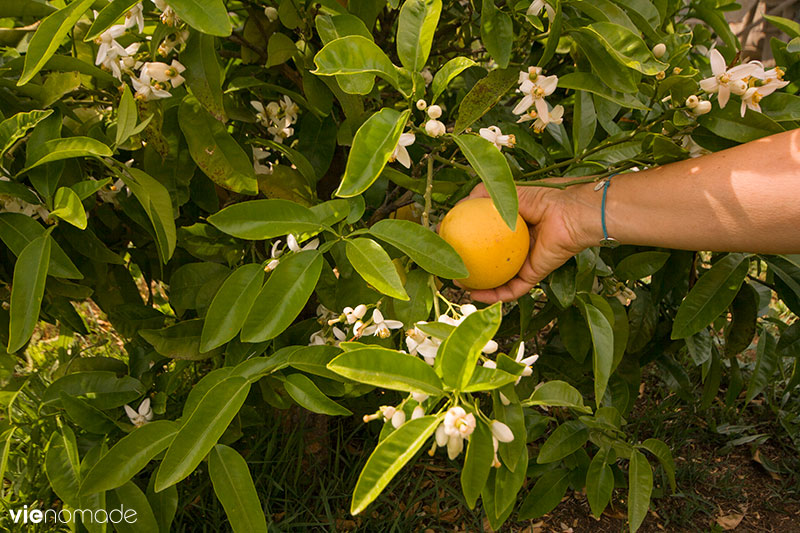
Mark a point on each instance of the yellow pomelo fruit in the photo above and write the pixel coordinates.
(492, 253)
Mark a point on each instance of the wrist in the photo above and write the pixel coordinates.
(582, 205)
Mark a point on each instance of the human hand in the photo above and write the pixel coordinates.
(554, 218)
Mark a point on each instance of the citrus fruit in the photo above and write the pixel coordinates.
(492, 253)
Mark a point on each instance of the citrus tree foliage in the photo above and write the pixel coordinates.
(218, 178)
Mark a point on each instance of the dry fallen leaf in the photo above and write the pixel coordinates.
(729, 521)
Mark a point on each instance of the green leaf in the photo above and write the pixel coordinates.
(458, 354)
(85, 416)
(566, 439)
(623, 45)
(58, 149)
(423, 246)
(207, 16)
(355, 54)
(203, 74)
(389, 457)
(602, 348)
(129, 456)
(605, 65)
(545, 495)
(558, 394)
(331, 28)
(314, 360)
(264, 219)
(127, 115)
(101, 389)
(12, 8)
(641, 265)
(156, 201)
(483, 96)
(27, 291)
(308, 396)
(447, 73)
(415, 27)
(62, 465)
(234, 487)
(374, 265)
(599, 483)
(164, 504)
(764, 373)
(486, 379)
(84, 189)
(48, 37)
(201, 430)
(729, 124)
(107, 17)
(131, 496)
(584, 121)
(789, 343)
(789, 27)
(230, 306)
(779, 106)
(497, 33)
(67, 206)
(214, 150)
(18, 230)
(179, 341)
(739, 334)
(664, 455)
(373, 144)
(283, 296)
(477, 464)
(492, 167)
(640, 486)
(388, 369)
(711, 295)
(14, 128)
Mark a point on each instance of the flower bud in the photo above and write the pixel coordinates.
(659, 50)
(419, 397)
(421, 104)
(418, 412)
(702, 108)
(490, 347)
(692, 101)
(271, 13)
(660, 75)
(435, 128)
(501, 431)
(398, 418)
(434, 111)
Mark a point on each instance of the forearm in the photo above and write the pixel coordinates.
(746, 198)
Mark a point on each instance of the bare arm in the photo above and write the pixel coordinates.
(746, 198)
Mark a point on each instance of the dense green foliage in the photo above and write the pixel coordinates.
(225, 182)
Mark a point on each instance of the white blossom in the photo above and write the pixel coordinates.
(702, 107)
(753, 95)
(271, 13)
(168, 15)
(659, 50)
(418, 412)
(291, 242)
(135, 17)
(494, 135)
(421, 104)
(535, 87)
(109, 47)
(381, 327)
(399, 418)
(142, 416)
(434, 111)
(419, 343)
(149, 89)
(165, 73)
(400, 153)
(536, 8)
(171, 41)
(353, 315)
(723, 80)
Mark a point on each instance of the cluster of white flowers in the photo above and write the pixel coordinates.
(291, 242)
(352, 317)
(535, 87)
(12, 204)
(749, 80)
(397, 414)
(278, 117)
(420, 343)
(521, 359)
(141, 416)
(433, 126)
(154, 78)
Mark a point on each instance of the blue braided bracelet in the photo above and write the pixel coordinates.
(608, 242)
